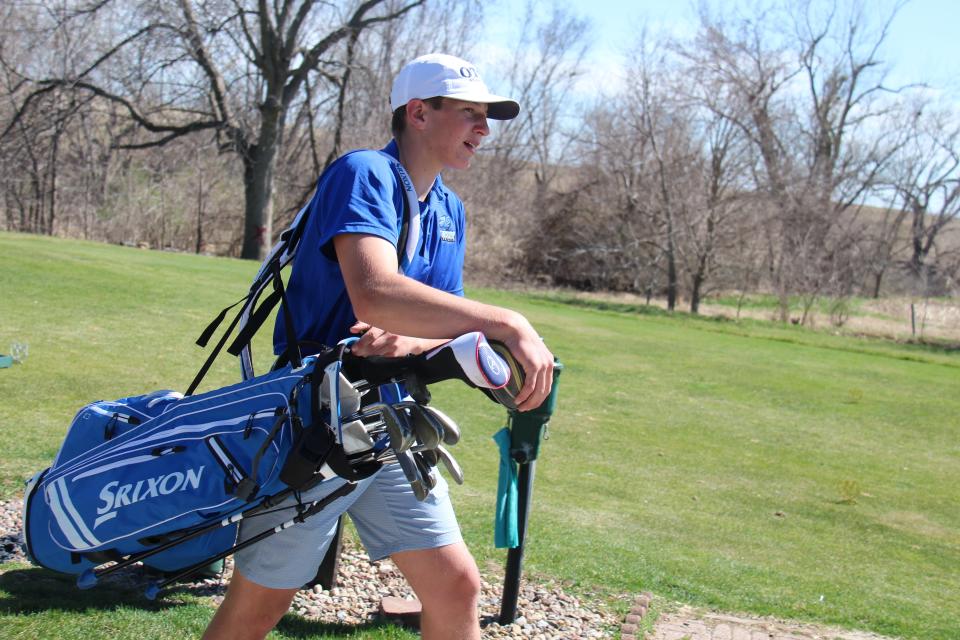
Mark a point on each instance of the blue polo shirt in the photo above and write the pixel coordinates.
(360, 193)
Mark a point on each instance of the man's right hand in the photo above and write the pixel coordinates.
(537, 362)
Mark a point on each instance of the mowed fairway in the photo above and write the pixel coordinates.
(744, 467)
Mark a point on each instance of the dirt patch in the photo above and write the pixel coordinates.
(687, 623)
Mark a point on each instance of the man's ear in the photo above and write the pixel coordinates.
(416, 114)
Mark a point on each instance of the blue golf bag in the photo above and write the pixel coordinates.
(139, 473)
(166, 479)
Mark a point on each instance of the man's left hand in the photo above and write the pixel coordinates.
(377, 342)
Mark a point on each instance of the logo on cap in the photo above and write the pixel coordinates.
(469, 73)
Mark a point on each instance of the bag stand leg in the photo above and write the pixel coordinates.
(316, 507)
(89, 578)
(327, 573)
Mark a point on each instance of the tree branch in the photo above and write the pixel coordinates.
(199, 53)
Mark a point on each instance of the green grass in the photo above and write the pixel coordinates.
(771, 303)
(741, 466)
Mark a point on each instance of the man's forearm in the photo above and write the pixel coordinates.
(404, 306)
(400, 305)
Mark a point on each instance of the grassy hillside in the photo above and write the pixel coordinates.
(741, 466)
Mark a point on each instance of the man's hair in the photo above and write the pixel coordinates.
(399, 121)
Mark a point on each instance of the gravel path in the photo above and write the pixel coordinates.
(545, 611)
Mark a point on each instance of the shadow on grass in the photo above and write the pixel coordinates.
(293, 626)
(36, 590)
(33, 591)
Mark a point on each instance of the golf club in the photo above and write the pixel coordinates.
(428, 429)
(451, 432)
(426, 472)
(412, 473)
(397, 425)
(453, 468)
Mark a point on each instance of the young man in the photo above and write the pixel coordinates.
(346, 280)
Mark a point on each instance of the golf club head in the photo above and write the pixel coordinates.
(426, 471)
(430, 457)
(453, 468)
(429, 430)
(397, 426)
(505, 395)
(410, 470)
(451, 431)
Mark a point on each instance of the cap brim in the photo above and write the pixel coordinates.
(500, 107)
(506, 110)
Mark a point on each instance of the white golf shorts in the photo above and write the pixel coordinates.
(386, 514)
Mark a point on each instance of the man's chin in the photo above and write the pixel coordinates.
(460, 165)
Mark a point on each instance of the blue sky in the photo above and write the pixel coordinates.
(923, 44)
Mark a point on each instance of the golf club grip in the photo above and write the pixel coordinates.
(380, 369)
(469, 358)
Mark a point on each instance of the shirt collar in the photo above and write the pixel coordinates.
(438, 187)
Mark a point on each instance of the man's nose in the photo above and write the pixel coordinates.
(481, 126)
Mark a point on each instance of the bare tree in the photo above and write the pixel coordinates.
(230, 67)
(802, 95)
(667, 133)
(709, 228)
(926, 180)
(601, 234)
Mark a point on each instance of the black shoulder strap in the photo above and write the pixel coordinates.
(251, 318)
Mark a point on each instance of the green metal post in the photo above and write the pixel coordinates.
(526, 433)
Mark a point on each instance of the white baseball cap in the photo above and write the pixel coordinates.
(437, 74)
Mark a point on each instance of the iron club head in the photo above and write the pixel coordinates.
(451, 432)
(429, 430)
(428, 474)
(397, 425)
(412, 473)
(453, 468)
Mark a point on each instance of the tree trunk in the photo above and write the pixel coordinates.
(698, 279)
(783, 304)
(198, 245)
(671, 265)
(259, 165)
(258, 212)
(52, 209)
(877, 278)
(671, 279)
